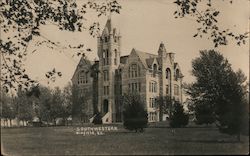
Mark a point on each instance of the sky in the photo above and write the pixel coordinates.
(143, 25)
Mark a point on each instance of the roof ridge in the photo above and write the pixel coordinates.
(144, 52)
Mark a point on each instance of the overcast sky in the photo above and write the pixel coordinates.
(143, 25)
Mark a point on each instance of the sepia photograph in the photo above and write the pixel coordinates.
(124, 77)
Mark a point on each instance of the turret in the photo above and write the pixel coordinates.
(162, 50)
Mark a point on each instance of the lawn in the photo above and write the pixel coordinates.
(64, 141)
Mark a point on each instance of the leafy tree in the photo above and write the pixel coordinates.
(134, 114)
(178, 118)
(165, 105)
(207, 15)
(67, 103)
(44, 104)
(24, 106)
(219, 91)
(7, 108)
(56, 109)
(204, 113)
(21, 22)
(79, 102)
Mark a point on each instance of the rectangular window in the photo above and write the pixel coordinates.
(149, 86)
(107, 90)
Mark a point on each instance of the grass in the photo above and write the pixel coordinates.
(64, 141)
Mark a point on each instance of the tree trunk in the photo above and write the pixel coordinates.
(4, 123)
(54, 121)
(66, 122)
(10, 123)
(238, 137)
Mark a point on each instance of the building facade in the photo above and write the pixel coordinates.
(105, 81)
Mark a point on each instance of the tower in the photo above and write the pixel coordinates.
(109, 60)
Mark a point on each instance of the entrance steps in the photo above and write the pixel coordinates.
(106, 118)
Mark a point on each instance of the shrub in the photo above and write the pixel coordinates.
(135, 115)
(179, 118)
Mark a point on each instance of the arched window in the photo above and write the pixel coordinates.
(115, 52)
(154, 70)
(168, 73)
(115, 59)
(106, 60)
(177, 74)
(106, 39)
(134, 70)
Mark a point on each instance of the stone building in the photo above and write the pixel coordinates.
(106, 80)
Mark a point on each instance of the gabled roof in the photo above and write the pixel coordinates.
(83, 62)
(149, 62)
(144, 56)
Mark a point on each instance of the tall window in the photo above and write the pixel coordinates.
(152, 102)
(82, 77)
(107, 57)
(154, 70)
(167, 89)
(134, 70)
(176, 90)
(105, 75)
(168, 73)
(106, 39)
(134, 86)
(153, 86)
(115, 59)
(177, 74)
(106, 90)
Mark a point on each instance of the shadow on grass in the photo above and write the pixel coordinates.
(211, 141)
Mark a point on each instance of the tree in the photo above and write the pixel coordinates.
(21, 22)
(67, 102)
(56, 109)
(204, 113)
(79, 102)
(207, 15)
(44, 104)
(165, 105)
(24, 106)
(7, 108)
(178, 118)
(134, 114)
(219, 91)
